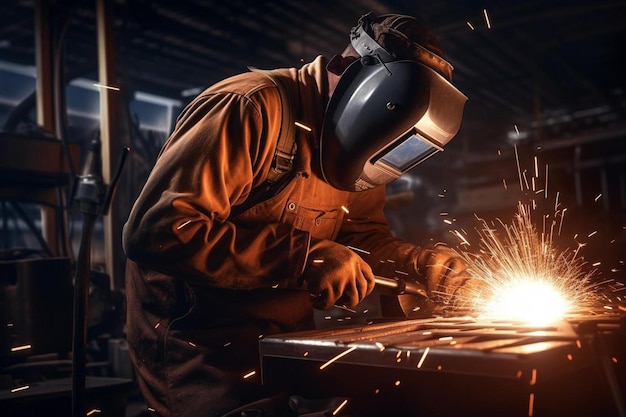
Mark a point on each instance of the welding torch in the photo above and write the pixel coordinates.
(401, 286)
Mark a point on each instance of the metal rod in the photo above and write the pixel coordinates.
(401, 286)
(82, 278)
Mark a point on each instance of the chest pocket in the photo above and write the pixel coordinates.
(306, 203)
(321, 222)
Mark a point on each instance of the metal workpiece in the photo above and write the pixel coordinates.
(458, 366)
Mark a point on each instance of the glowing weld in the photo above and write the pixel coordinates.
(524, 278)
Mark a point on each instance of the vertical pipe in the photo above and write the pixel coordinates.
(45, 105)
(81, 308)
(109, 132)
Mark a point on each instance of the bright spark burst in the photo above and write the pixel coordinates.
(527, 299)
(524, 277)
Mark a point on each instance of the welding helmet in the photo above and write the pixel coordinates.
(388, 112)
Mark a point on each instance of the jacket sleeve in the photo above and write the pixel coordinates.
(221, 148)
(366, 230)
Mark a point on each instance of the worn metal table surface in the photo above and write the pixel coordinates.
(457, 366)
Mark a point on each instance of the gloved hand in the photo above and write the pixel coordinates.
(447, 277)
(335, 274)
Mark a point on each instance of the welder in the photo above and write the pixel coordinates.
(266, 202)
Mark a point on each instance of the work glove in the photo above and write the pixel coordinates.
(335, 275)
(447, 277)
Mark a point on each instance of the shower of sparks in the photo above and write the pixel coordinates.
(470, 25)
(249, 374)
(524, 278)
(461, 237)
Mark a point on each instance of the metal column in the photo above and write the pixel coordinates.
(45, 106)
(110, 120)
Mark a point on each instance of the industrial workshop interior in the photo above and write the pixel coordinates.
(531, 190)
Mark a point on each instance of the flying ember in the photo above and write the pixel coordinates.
(525, 278)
